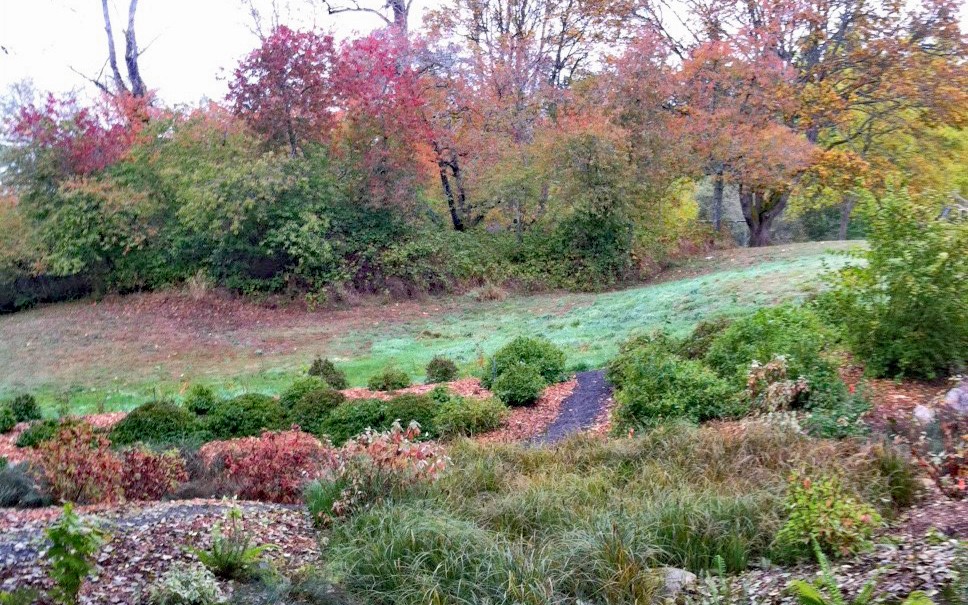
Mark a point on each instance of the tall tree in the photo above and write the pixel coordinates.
(134, 85)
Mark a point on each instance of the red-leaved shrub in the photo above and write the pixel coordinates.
(376, 465)
(275, 466)
(148, 475)
(79, 466)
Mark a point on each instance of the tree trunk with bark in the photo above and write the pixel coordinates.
(760, 209)
(717, 202)
(846, 209)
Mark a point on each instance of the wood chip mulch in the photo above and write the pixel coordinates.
(527, 422)
(893, 399)
(147, 539)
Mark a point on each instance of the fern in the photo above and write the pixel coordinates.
(232, 555)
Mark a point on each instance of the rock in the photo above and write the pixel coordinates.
(924, 414)
(677, 580)
(957, 398)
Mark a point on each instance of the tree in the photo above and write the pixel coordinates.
(135, 85)
(283, 89)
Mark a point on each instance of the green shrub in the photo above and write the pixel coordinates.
(73, 546)
(469, 416)
(389, 379)
(521, 384)
(697, 343)
(295, 392)
(186, 584)
(200, 400)
(794, 332)
(25, 408)
(902, 309)
(900, 473)
(325, 369)
(441, 369)
(314, 407)
(8, 419)
(837, 414)
(352, 418)
(653, 385)
(822, 510)
(245, 416)
(154, 422)
(408, 408)
(38, 432)
(540, 353)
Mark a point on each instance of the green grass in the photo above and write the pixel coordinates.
(588, 327)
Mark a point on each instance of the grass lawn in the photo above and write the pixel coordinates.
(117, 353)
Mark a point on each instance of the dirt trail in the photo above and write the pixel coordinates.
(581, 409)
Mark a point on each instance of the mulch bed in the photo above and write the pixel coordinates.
(527, 422)
(465, 387)
(146, 539)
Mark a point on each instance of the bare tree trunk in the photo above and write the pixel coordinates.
(112, 53)
(455, 218)
(760, 210)
(717, 203)
(846, 209)
(131, 55)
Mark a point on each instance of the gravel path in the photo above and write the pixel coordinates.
(581, 409)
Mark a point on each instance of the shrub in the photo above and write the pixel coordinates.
(653, 385)
(469, 416)
(413, 408)
(298, 389)
(314, 407)
(903, 308)
(325, 369)
(796, 333)
(547, 359)
(19, 488)
(25, 408)
(822, 510)
(148, 475)
(80, 467)
(186, 584)
(200, 400)
(275, 467)
(232, 555)
(154, 422)
(245, 416)
(38, 432)
(352, 418)
(8, 419)
(836, 416)
(389, 379)
(376, 466)
(519, 385)
(73, 544)
(769, 390)
(901, 474)
(697, 343)
(441, 369)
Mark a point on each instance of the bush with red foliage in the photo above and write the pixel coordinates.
(148, 475)
(80, 467)
(275, 466)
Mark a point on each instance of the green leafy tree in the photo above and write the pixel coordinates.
(71, 554)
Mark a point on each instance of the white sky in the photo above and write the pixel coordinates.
(189, 44)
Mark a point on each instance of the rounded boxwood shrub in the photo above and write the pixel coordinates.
(520, 384)
(314, 407)
(441, 369)
(25, 408)
(152, 422)
(352, 418)
(389, 379)
(547, 359)
(325, 369)
(652, 385)
(414, 408)
(245, 416)
(469, 416)
(200, 400)
(38, 432)
(295, 392)
(8, 419)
